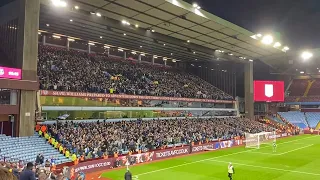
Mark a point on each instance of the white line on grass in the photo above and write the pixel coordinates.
(163, 169)
(295, 149)
(271, 168)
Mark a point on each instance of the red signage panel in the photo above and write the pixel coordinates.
(268, 91)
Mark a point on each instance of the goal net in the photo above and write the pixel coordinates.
(255, 140)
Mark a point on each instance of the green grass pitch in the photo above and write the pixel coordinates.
(297, 158)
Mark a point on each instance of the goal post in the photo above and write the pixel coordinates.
(257, 139)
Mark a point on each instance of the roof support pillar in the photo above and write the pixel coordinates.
(152, 60)
(89, 48)
(248, 89)
(139, 58)
(165, 62)
(125, 55)
(68, 44)
(44, 39)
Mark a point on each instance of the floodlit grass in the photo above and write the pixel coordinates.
(297, 158)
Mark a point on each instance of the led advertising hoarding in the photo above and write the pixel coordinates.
(10, 73)
(268, 91)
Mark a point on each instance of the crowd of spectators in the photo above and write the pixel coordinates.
(16, 171)
(94, 139)
(68, 70)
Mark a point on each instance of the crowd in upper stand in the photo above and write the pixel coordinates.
(94, 139)
(63, 70)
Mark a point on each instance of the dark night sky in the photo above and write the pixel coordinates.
(297, 21)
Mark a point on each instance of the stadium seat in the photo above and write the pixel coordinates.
(295, 117)
(25, 149)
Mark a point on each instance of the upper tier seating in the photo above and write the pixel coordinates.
(298, 87)
(63, 70)
(313, 118)
(295, 117)
(26, 149)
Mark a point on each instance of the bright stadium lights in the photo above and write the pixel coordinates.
(301, 72)
(242, 57)
(100, 37)
(124, 34)
(70, 39)
(230, 54)
(267, 39)
(140, 46)
(133, 52)
(286, 48)
(164, 58)
(136, 25)
(39, 32)
(55, 36)
(164, 44)
(121, 50)
(196, 59)
(47, 25)
(173, 60)
(98, 14)
(195, 5)
(188, 41)
(71, 20)
(276, 45)
(306, 55)
(153, 30)
(250, 60)
(194, 52)
(90, 43)
(259, 35)
(59, 3)
(171, 54)
(125, 22)
(76, 7)
(142, 54)
(92, 12)
(106, 47)
(155, 57)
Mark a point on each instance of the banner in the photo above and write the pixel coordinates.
(124, 96)
(168, 153)
(91, 166)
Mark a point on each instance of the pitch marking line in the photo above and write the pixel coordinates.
(279, 154)
(163, 169)
(295, 149)
(270, 168)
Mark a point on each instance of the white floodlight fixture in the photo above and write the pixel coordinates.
(70, 39)
(301, 72)
(306, 55)
(55, 36)
(76, 7)
(90, 43)
(286, 48)
(98, 14)
(267, 39)
(276, 45)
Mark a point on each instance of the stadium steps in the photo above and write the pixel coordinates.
(318, 126)
(310, 82)
(275, 119)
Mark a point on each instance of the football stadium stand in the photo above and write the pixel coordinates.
(26, 149)
(295, 117)
(304, 90)
(63, 70)
(313, 118)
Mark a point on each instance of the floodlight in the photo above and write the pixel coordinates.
(277, 44)
(195, 5)
(267, 39)
(301, 72)
(76, 7)
(306, 55)
(98, 14)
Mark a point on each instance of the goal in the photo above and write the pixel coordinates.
(255, 140)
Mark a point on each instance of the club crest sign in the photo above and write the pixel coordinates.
(268, 90)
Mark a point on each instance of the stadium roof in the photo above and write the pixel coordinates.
(168, 28)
